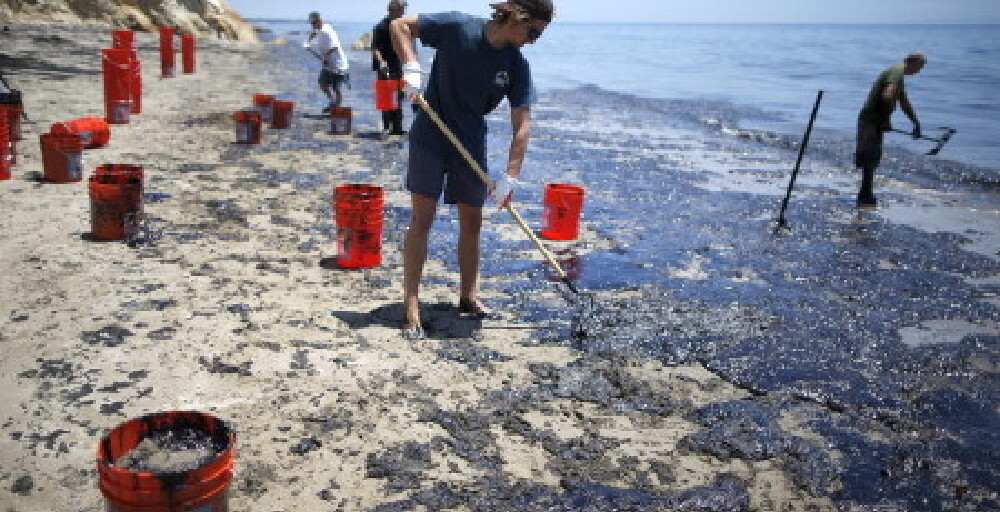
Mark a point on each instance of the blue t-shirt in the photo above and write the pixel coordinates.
(468, 80)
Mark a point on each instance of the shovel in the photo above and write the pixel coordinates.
(419, 100)
(946, 134)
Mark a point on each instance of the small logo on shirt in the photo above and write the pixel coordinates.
(502, 80)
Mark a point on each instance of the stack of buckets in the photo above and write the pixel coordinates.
(204, 489)
(122, 78)
(188, 47)
(125, 40)
(266, 109)
(6, 149)
(358, 210)
(167, 52)
(168, 61)
(11, 108)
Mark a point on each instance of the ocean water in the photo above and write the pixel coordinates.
(767, 76)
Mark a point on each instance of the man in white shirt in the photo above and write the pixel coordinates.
(324, 43)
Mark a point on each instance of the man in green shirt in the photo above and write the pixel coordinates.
(875, 119)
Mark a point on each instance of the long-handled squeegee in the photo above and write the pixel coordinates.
(419, 100)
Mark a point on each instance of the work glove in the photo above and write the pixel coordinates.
(411, 78)
(916, 129)
(503, 190)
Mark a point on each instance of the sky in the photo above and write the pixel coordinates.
(663, 11)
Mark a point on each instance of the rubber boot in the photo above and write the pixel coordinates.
(866, 196)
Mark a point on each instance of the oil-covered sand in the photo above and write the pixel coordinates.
(849, 364)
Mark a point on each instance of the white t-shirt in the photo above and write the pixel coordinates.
(322, 41)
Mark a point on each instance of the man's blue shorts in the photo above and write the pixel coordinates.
(431, 171)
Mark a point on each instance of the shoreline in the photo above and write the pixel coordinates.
(233, 312)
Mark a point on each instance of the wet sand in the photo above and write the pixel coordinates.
(237, 310)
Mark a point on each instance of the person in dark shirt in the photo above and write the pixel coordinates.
(478, 63)
(386, 64)
(875, 119)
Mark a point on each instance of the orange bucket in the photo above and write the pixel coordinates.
(115, 201)
(263, 103)
(340, 120)
(167, 52)
(563, 204)
(203, 489)
(281, 114)
(248, 126)
(123, 39)
(92, 131)
(358, 210)
(62, 158)
(387, 95)
(6, 150)
(117, 69)
(188, 49)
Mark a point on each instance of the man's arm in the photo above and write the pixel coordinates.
(520, 120)
(907, 108)
(404, 32)
(904, 104)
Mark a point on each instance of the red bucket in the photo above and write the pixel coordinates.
(115, 201)
(6, 150)
(358, 210)
(62, 158)
(167, 52)
(387, 95)
(204, 489)
(117, 68)
(248, 126)
(340, 120)
(281, 114)
(563, 204)
(264, 103)
(11, 107)
(92, 131)
(123, 39)
(188, 49)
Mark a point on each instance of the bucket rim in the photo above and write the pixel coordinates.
(565, 187)
(348, 187)
(221, 461)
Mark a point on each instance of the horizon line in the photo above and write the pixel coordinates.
(576, 22)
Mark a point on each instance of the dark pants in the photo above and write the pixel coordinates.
(867, 156)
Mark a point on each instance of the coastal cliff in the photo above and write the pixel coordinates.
(204, 17)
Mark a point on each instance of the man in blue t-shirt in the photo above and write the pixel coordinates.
(478, 63)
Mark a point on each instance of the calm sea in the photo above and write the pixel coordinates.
(769, 74)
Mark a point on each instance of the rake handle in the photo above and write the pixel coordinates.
(419, 100)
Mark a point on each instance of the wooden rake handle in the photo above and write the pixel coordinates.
(419, 100)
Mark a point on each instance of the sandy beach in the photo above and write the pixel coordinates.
(236, 309)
